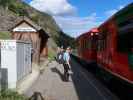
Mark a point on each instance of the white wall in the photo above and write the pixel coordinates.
(13, 58)
(8, 60)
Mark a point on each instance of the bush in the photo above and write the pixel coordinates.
(35, 17)
(18, 9)
(51, 55)
(11, 95)
(5, 35)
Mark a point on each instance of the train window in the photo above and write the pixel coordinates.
(125, 42)
(85, 44)
(99, 46)
(89, 44)
(82, 45)
(102, 43)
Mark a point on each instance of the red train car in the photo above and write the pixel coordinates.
(113, 45)
(87, 45)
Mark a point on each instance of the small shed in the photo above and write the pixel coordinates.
(27, 30)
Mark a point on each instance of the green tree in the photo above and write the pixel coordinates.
(6, 3)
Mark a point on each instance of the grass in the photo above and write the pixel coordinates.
(11, 95)
(5, 35)
(51, 55)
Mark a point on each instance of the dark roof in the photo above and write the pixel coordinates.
(30, 22)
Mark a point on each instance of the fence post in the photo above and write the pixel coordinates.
(3, 79)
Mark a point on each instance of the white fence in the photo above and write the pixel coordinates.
(16, 58)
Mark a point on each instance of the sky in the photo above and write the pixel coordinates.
(78, 16)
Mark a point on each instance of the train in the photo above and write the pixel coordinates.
(110, 45)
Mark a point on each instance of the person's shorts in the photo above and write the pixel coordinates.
(66, 66)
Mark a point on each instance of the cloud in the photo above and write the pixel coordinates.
(66, 17)
(121, 6)
(75, 26)
(54, 7)
(113, 11)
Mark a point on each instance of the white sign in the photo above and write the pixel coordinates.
(24, 27)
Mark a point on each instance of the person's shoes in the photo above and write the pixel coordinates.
(70, 72)
(66, 80)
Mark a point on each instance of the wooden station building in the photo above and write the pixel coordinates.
(27, 30)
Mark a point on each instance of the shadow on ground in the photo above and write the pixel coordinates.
(56, 70)
(84, 86)
(82, 89)
(87, 86)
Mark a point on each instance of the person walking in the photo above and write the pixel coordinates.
(66, 63)
(60, 54)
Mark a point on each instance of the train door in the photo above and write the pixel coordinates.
(125, 45)
(130, 48)
(94, 43)
(125, 54)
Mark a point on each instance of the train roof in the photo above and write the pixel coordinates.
(118, 14)
(81, 35)
(93, 30)
(124, 10)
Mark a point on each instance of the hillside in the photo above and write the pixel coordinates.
(12, 10)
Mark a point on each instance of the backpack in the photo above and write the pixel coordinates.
(60, 58)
